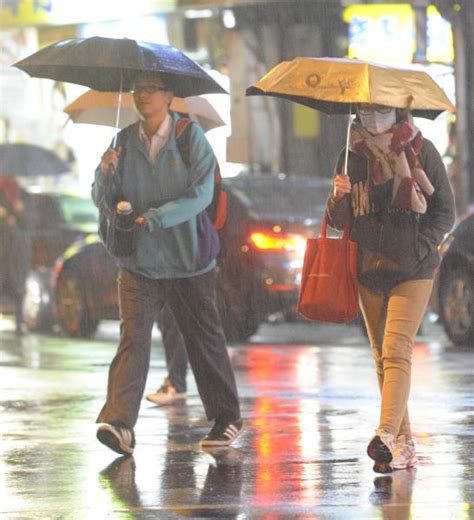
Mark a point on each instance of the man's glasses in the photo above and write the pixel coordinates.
(148, 89)
(369, 109)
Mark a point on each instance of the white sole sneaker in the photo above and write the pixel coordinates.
(120, 440)
(225, 437)
(410, 463)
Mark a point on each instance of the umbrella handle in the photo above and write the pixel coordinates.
(119, 105)
(349, 124)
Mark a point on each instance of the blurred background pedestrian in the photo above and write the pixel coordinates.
(15, 250)
(173, 389)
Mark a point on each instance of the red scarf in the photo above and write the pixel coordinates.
(12, 190)
(394, 155)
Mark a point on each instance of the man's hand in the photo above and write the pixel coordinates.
(142, 221)
(109, 161)
(342, 186)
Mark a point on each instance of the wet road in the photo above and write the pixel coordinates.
(310, 404)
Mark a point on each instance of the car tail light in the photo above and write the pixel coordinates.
(265, 241)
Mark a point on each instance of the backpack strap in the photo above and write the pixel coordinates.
(182, 133)
(217, 210)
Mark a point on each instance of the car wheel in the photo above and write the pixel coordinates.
(37, 305)
(456, 295)
(240, 318)
(71, 305)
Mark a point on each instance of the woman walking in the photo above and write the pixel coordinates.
(400, 205)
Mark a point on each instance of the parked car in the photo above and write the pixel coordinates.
(57, 220)
(454, 285)
(262, 249)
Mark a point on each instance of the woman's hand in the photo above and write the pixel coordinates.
(342, 186)
(109, 161)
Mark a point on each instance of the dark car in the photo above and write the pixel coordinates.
(262, 248)
(57, 220)
(455, 283)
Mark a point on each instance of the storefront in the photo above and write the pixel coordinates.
(32, 109)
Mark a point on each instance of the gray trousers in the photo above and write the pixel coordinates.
(193, 303)
(175, 349)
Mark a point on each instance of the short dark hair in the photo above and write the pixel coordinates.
(153, 76)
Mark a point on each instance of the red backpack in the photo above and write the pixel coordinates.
(217, 209)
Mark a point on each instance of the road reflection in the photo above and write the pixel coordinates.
(309, 410)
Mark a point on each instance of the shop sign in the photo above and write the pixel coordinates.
(387, 33)
(18, 13)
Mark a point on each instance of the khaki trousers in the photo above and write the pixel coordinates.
(392, 320)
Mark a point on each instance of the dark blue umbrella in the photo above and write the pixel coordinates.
(29, 160)
(111, 64)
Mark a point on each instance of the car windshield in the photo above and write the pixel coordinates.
(79, 212)
(294, 197)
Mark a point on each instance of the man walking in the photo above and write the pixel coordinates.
(173, 264)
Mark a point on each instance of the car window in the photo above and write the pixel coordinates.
(79, 212)
(297, 197)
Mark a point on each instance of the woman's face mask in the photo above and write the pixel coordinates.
(377, 122)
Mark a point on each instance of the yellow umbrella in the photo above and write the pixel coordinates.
(331, 85)
(100, 108)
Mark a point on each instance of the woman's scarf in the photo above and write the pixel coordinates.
(394, 155)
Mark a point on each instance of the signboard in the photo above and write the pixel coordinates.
(387, 33)
(221, 3)
(18, 13)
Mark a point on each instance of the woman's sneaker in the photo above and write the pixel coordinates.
(381, 449)
(223, 433)
(166, 394)
(117, 437)
(404, 456)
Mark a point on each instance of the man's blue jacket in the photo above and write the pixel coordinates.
(181, 240)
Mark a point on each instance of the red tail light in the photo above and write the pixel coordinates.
(265, 241)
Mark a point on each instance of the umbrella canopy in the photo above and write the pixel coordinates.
(331, 85)
(100, 108)
(111, 64)
(29, 160)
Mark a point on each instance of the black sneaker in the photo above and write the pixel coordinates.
(117, 437)
(223, 433)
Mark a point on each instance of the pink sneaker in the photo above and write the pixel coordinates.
(404, 456)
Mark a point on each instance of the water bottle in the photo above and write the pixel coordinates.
(124, 229)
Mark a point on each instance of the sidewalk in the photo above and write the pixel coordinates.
(309, 409)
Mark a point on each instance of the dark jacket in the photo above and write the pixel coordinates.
(406, 242)
(15, 247)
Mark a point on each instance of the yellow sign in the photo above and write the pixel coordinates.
(440, 44)
(387, 33)
(20, 13)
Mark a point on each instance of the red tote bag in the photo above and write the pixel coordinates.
(329, 278)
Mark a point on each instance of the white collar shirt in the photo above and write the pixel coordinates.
(158, 139)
